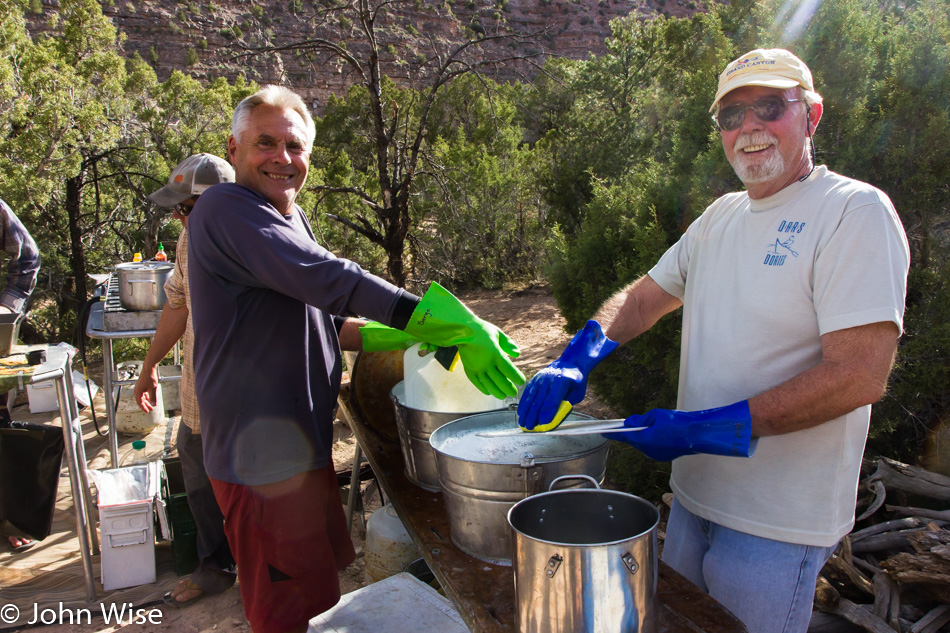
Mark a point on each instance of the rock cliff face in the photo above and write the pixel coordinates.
(208, 39)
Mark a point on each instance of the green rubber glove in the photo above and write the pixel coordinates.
(443, 320)
(382, 338)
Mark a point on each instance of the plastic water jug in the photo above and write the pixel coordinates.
(431, 387)
(389, 547)
(136, 455)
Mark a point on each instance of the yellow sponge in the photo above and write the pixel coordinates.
(562, 412)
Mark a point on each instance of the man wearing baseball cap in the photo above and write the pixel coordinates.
(793, 299)
(215, 572)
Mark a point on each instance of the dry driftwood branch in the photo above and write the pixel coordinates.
(866, 566)
(921, 567)
(898, 476)
(831, 623)
(929, 566)
(932, 622)
(895, 539)
(932, 539)
(828, 600)
(886, 526)
(894, 609)
(840, 569)
(923, 513)
(892, 475)
(882, 595)
(880, 494)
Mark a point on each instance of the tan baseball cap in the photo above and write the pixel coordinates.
(191, 177)
(772, 67)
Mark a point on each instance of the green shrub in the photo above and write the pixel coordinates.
(918, 394)
(618, 241)
(631, 471)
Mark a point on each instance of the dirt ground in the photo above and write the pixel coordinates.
(529, 315)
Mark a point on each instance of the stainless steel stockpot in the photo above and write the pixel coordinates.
(585, 561)
(142, 284)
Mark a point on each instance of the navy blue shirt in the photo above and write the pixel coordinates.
(267, 355)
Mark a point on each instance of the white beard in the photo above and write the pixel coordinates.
(751, 170)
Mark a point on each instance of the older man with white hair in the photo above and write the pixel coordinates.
(793, 299)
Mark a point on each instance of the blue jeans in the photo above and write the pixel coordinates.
(769, 585)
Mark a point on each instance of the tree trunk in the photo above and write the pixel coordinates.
(396, 225)
(77, 258)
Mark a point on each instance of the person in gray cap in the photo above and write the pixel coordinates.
(215, 572)
(793, 300)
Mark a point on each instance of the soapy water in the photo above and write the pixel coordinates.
(473, 442)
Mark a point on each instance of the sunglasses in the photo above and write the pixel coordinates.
(765, 108)
(184, 209)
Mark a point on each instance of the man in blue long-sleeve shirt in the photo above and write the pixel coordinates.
(269, 311)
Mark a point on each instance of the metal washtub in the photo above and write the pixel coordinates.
(415, 426)
(482, 477)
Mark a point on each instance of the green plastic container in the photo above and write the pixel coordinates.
(184, 530)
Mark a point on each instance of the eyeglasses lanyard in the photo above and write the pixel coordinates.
(811, 144)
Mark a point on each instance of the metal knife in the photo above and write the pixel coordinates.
(570, 428)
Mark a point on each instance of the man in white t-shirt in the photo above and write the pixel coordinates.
(793, 300)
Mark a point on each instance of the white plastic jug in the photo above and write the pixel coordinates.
(431, 387)
(389, 548)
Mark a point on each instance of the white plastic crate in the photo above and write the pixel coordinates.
(43, 395)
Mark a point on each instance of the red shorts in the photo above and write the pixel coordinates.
(289, 540)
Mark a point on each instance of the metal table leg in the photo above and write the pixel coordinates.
(354, 486)
(108, 369)
(76, 455)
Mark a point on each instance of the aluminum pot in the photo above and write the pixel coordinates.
(483, 476)
(415, 426)
(585, 561)
(142, 284)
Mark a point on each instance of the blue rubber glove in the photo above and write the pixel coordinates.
(565, 378)
(672, 434)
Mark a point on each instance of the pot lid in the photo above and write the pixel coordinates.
(470, 439)
(145, 266)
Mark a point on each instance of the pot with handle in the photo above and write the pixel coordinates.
(585, 561)
(142, 284)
